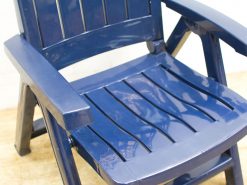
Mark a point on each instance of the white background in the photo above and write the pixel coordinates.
(191, 53)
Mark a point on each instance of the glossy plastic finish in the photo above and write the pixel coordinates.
(201, 173)
(212, 21)
(136, 123)
(62, 149)
(77, 48)
(47, 88)
(234, 174)
(69, 31)
(178, 37)
(147, 110)
(213, 57)
(70, 13)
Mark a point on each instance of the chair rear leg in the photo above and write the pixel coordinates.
(24, 122)
(234, 174)
(62, 150)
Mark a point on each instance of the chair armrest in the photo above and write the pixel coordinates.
(212, 21)
(51, 89)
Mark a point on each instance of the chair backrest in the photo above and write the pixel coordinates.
(66, 31)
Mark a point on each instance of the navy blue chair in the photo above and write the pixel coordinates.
(149, 121)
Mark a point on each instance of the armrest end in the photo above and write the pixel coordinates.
(48, 85)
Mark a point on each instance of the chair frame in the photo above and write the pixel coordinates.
(34, 88)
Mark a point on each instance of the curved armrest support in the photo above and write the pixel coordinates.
(52, 90)
(212, 21)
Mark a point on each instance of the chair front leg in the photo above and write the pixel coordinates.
(24, 124)
(62, 150)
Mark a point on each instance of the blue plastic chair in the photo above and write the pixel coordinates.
(152, 120)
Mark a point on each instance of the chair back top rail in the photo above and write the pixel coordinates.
(66, 31)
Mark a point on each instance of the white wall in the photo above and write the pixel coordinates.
(191, 54)
(8, 75)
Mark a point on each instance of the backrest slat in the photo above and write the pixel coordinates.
(155, 11)
(29, 23)
(67, 31)
(115, 11)
(93, 14)
(71, 17)
(74, 49)
(138, 8)
(48, 19)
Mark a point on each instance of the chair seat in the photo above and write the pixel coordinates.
(151, 123)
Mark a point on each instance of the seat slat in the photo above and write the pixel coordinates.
(167, 122)
(138, 8)
(207, 85)
(165, 101)
(133, 96)
(48, 19)
(185, 92)
(123, 143)
(94, 149)
(153, 119)
(71, 17)
(116, 74)
(94, 16)
(151, 137)
(115, 11)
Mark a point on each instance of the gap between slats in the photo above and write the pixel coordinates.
(161, 109)
(104, 11)
(60, 18)
(179, 99)
(115, 123)
(126, 10)
(82, 16)
(38, 23)
(149, 7)
(196, 87)
(109, 144)
(141, 118)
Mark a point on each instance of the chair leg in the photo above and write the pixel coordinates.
(215, 69)
(24, 122)
(234, 174)
(62, 150)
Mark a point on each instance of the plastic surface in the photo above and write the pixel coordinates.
(69, 31)
(147, 110)
(145, 122)
(47, 88)
(211, 20)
